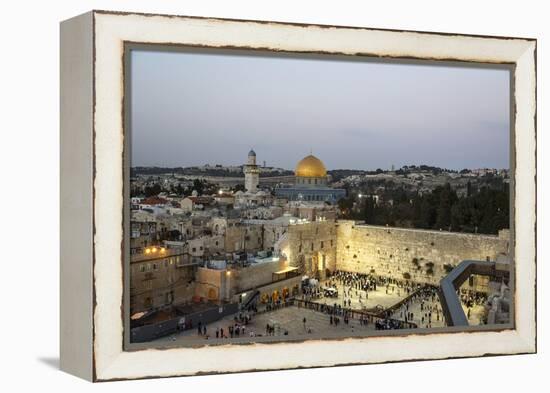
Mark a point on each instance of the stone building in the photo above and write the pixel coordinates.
(240, 237)
(160, 276)
(269, 277)
(251, 173)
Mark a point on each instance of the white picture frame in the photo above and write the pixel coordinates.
(92, 178)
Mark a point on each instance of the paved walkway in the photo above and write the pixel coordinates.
(285, 319)
(420, 308)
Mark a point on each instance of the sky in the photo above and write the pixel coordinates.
(201, 108)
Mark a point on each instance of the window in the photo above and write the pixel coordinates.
(312, 245)
(154, 266)
(142, 268)
(322, 244)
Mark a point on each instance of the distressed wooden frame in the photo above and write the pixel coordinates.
(92, 178)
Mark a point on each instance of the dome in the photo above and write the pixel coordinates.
(251, 153)
(311, 166)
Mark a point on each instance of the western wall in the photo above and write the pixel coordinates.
(421, 255)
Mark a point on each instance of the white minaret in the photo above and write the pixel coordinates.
(251, 173)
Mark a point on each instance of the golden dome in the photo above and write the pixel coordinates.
(311, 166)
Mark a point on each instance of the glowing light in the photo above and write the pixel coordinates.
(147, 251)
(163, 249)
(154, 249)
(228, 273)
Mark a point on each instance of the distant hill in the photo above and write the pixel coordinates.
(201, 171)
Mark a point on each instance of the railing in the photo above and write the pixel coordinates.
(352, 313)
(450, 302)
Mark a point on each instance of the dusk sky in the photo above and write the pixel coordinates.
(196, 108)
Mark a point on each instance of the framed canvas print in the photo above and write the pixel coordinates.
(246, 195)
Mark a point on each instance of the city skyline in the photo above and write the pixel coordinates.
(192, 109)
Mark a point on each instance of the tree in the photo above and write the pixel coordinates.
(198, 186)
(153, 190)
(446, 197)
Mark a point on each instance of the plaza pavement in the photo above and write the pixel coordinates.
(288, 318)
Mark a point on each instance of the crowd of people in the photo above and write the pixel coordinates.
(471, 299)
(420, 306)
(369, 282)
(425, 302)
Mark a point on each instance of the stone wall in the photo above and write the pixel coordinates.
(396, 251)
(312, 247)
(255, 275)
(243, 237)
(278, 286)
(210, 284)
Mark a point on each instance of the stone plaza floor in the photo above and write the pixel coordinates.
(287, 318)
(419, 311)
(290, 319)
(378, 298)
(383, 299)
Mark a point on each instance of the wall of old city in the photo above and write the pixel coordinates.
(255, 275)
(396, 251)
(210, 284)
(291, 285)
(243, 237)
(312, 247)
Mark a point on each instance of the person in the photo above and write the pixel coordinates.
(217, 332)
